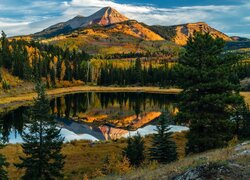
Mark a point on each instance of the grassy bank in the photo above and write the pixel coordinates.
(228, 163)
(83, 158)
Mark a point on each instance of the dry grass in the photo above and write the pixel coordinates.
(246, 95)
(10, 79)
(228, 157)
(169, 170)
(61, 84)
(83, 157)
(17, 86)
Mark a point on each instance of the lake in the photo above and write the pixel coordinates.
(97, 116)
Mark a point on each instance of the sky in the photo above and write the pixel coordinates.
(21, 17)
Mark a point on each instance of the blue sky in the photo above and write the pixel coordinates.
(19, 17)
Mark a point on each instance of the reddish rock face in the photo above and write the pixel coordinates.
(184, 31)
(108, 16)
(112, 133)
(105, 16)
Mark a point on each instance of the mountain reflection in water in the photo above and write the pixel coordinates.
(72, 130)
(77, 115)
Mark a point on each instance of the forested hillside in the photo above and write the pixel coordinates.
(33, 60)
(59, 67)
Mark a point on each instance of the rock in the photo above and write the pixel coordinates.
(184, 31)
(191, 174)
(238, 148)
(246, 152)
(203, 172)
(241, 146)
(235, 165)
(245, 143)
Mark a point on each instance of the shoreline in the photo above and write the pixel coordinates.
(27, 98)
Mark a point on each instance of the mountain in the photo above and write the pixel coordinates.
(124, 37)
(107, 31)
(240, 39)
(238, 43)
(180, 33)
(104, 17)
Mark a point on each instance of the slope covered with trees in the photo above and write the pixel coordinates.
(33, 60)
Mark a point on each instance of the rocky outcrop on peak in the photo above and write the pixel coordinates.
(104, 17)
(180, 33)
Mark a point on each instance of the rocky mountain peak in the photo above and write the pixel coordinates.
(184, 31)
(106, 16)
(103, 17)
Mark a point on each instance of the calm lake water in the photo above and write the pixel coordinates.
(97, 116)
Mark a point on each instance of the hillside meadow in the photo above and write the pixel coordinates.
(85, 159)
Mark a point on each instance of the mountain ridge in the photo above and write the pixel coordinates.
(103, 17)
(180, 33)
(240, 39)
(107, 27)
(108, 17)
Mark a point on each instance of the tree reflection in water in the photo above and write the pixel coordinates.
(85, 105)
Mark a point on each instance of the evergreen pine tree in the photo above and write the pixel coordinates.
(138, 71)
(243, 123)
(208, 93)
(68, 71)
(27, 70)
(53, 77)
(163, 149)
(5, 54)
(58, 68)
(135, 150)
(42, 143)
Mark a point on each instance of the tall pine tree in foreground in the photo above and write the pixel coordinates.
(209, 93)
(245, 130)
(242, 119)
(163, 148)
(135, 150)
(42, 142)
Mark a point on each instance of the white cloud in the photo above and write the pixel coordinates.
(9, 22)
(41, 14)
(247, 18)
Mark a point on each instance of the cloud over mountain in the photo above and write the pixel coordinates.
(26, 17)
